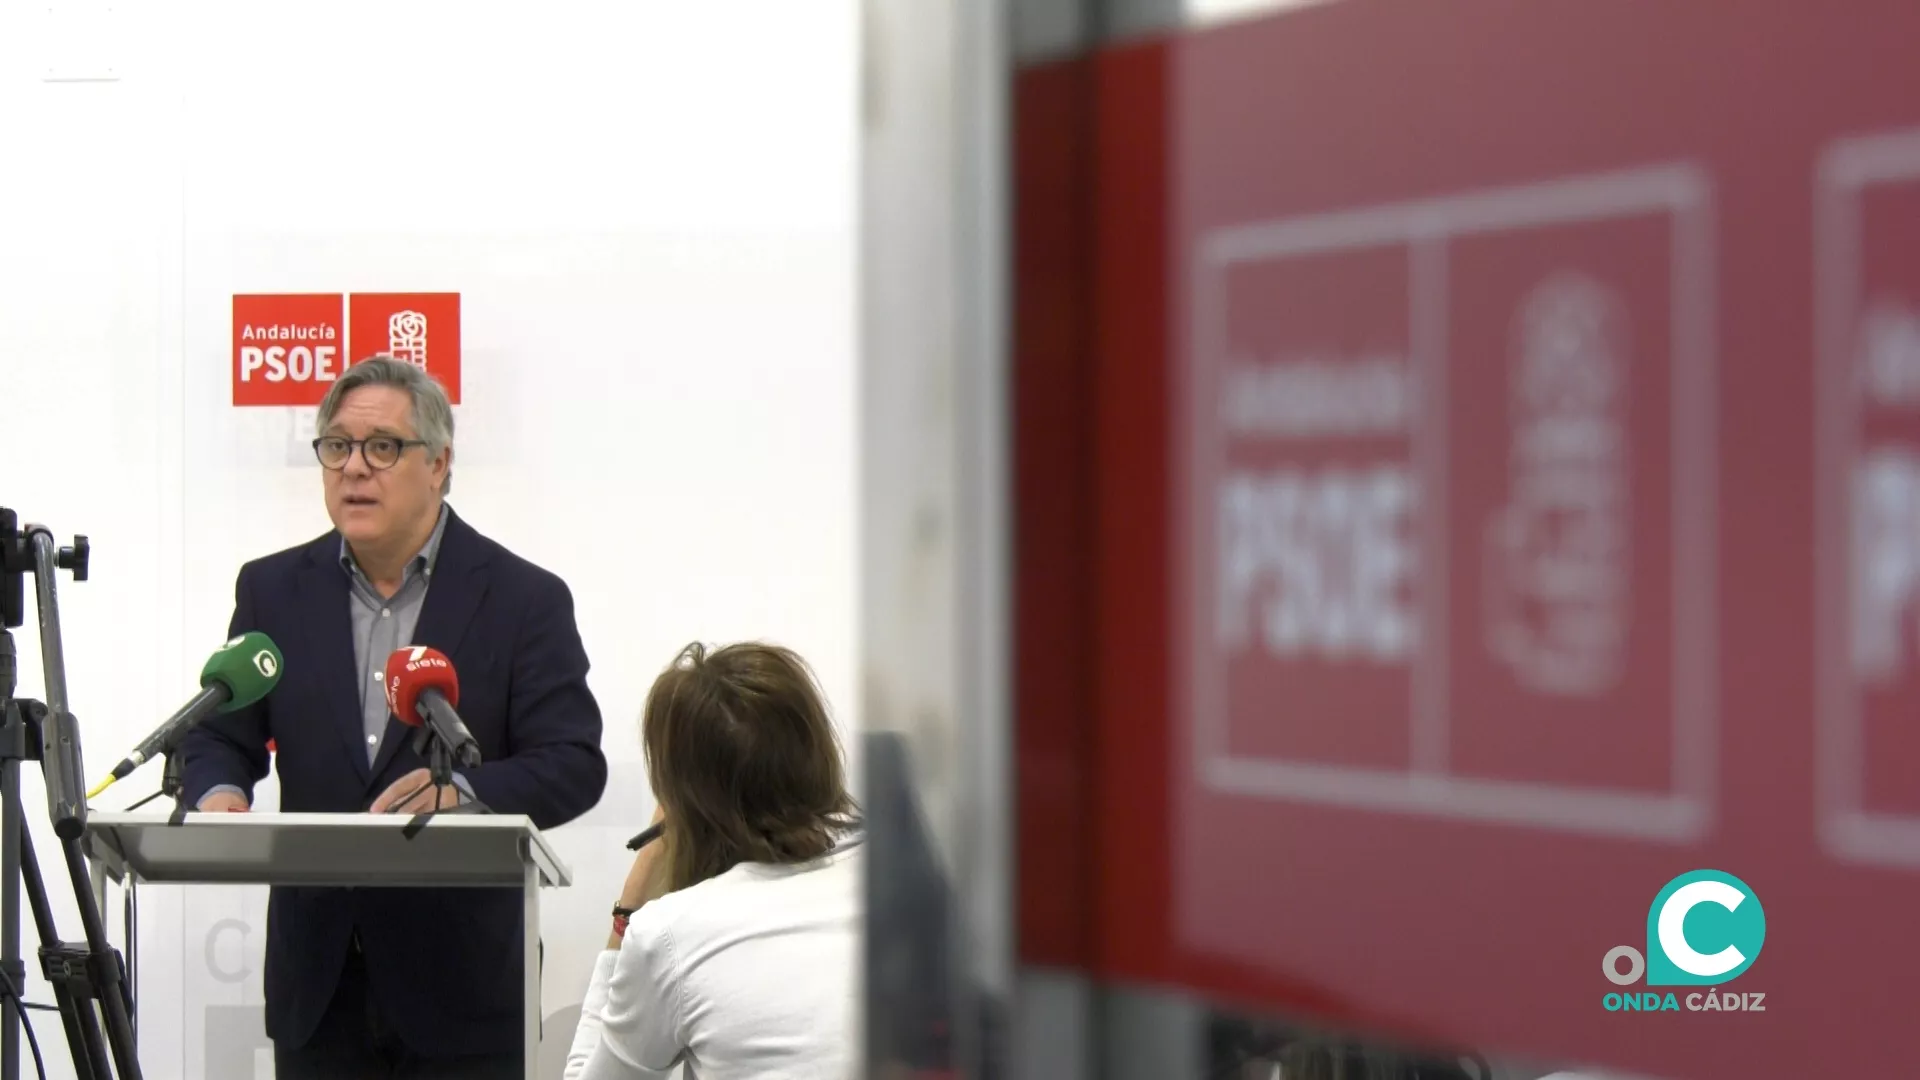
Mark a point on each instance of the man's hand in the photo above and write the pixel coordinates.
(414, 794)
(224, 802)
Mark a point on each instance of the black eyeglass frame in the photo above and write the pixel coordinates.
(361, 446)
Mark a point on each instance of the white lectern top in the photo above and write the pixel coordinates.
(367, 850)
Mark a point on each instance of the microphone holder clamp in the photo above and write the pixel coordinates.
(172, 784)
(439, 755)
(439, 758)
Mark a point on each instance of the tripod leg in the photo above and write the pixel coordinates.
(109, 976)
(84, 1041)
(10, 826)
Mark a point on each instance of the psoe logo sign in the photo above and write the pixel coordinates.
(1705, 928)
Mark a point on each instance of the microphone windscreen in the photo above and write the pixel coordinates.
(248, 666)
(412, 670)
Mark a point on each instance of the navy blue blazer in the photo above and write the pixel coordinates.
(444, 964)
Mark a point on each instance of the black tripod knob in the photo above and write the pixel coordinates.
(75, 558)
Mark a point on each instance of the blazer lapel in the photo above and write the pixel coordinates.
(329, 628)
(458, 585)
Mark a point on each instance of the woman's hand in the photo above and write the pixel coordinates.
(643, 875)
(646, 878)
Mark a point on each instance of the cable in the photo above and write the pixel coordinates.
(409, 795)
(142, 802)
(26, 1025)
(439, 791)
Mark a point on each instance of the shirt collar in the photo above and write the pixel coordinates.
(422, 561)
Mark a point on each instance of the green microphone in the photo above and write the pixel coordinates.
(238, 674)
(248, 668)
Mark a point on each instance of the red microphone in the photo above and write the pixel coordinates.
(422, 690)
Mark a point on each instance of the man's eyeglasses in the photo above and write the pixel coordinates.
(379, 451)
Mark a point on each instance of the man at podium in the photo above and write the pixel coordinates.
(400, 982)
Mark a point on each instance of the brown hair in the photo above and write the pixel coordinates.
(744, 761)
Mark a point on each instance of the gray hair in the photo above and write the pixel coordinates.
(432, 413)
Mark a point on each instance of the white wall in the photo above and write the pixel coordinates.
(648, 210)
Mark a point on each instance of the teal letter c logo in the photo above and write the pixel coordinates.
(1704, 927)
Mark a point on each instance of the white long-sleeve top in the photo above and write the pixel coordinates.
(753, 973)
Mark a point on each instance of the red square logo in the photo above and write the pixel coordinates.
(421, 328)
(287, 347)
(1560, 496)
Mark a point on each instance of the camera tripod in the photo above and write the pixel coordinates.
(89, 978)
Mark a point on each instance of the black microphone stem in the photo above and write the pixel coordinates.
(163, 738)
(451, 731)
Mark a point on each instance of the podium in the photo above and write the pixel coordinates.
(360, 850)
